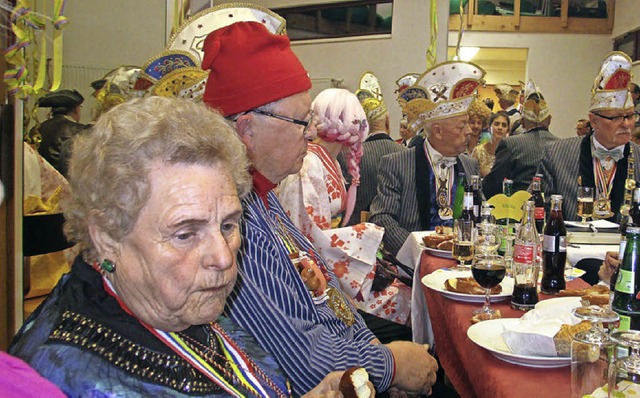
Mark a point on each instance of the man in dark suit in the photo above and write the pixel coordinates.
(56, 132)
(518, 157)
(377, 145)
(416, 187)
(603, 159)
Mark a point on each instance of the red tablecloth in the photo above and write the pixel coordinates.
(474, 371)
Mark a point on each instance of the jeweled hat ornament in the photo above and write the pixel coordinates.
(531, 110)
(370, 95)
(449, 88)
(504, 91)
(610, 88)
(406, 81)
(173, 73)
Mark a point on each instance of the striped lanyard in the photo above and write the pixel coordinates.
(243, 368)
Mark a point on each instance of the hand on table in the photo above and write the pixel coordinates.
(608, 267)
(415, 368)
(329, 387)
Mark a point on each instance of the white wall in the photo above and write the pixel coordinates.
(627, 17)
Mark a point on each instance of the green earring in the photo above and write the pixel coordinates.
(108, 265)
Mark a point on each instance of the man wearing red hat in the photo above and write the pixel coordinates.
(285, 295)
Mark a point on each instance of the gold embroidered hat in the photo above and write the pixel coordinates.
(370, 96)
(442, 92)
(505, 92)
(173, 73)
(610, 89)
(406, 81)
(535, 108)
(116, 87)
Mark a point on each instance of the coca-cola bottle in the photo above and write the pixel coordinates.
(477, 198)
(526, 266)
(625, 298)
(554, 249)
(538, 200)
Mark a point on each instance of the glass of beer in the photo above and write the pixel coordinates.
(463, 238)
(585, 203)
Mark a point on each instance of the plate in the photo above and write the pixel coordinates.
(488, 335)
(436, 279)
(438, 252)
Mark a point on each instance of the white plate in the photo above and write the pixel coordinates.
(436, 279)
(437, 252)
(488, 335)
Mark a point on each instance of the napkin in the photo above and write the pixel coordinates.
(604, 224)
(533, 334)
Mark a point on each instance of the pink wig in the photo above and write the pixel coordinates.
(340, 118)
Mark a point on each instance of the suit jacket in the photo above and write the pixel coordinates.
(373, 149)
(517, 159)
(564, 160)
(403, 200)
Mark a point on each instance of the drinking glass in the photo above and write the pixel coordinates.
(488, 270)
(592, 351)
(487, 238)
(585, 203)
(625, 372)
(463, 238)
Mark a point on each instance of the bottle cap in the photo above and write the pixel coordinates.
(556, 197)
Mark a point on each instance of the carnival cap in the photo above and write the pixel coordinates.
(61, 99)
(505, 92)
(535, 111)
(370, 96)
(449, 88)
(610, 89)
(249, 67)
(406, 81)
(173, 73)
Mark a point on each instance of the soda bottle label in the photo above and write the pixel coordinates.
(624, 284)
(549, 243)
(524, 253)
(538, 213)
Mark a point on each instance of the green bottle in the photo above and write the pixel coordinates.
(625, 297)
(459, 198)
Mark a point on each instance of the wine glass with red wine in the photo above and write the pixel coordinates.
(488, 270)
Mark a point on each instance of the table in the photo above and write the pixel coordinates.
(474, 371)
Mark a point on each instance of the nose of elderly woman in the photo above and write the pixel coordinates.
(220, 251)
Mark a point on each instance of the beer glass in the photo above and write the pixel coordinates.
(487, 238)
(463, 238)
(592, 351)
(625, 372)
(488, 270)
(585, 203)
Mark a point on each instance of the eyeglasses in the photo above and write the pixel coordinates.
(632, 117)
(305, 123)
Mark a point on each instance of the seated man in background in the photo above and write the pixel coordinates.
(518, 157)
(416, 187)
(286, 297)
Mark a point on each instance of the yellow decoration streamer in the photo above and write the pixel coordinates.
(460, 31)
(38, 86)
(431, 51)
(59, 23)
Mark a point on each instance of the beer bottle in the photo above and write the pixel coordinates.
(467, 205)
(459, 196)
(538, 200)
(625, 297)
(634, 211)
(507, 224)
(525, 266)
(477, 198)
(626, 220)
(554, 249)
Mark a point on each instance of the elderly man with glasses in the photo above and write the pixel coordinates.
(605, 160)
(286, 296)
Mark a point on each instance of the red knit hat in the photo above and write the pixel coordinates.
(250, 67)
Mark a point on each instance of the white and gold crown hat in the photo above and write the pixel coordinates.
(444, 91)
(532, 110)
(370, 96)
(610, 89)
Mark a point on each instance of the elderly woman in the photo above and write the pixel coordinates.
(156, 207)
(317, 201)
(485, 153)
(479, 115)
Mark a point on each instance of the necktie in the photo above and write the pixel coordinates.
(602, 154)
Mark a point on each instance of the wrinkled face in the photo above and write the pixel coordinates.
(178, 264)
(280, 146)
(500, 126)
(612, 133)
(452, 135)
(476, 123)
